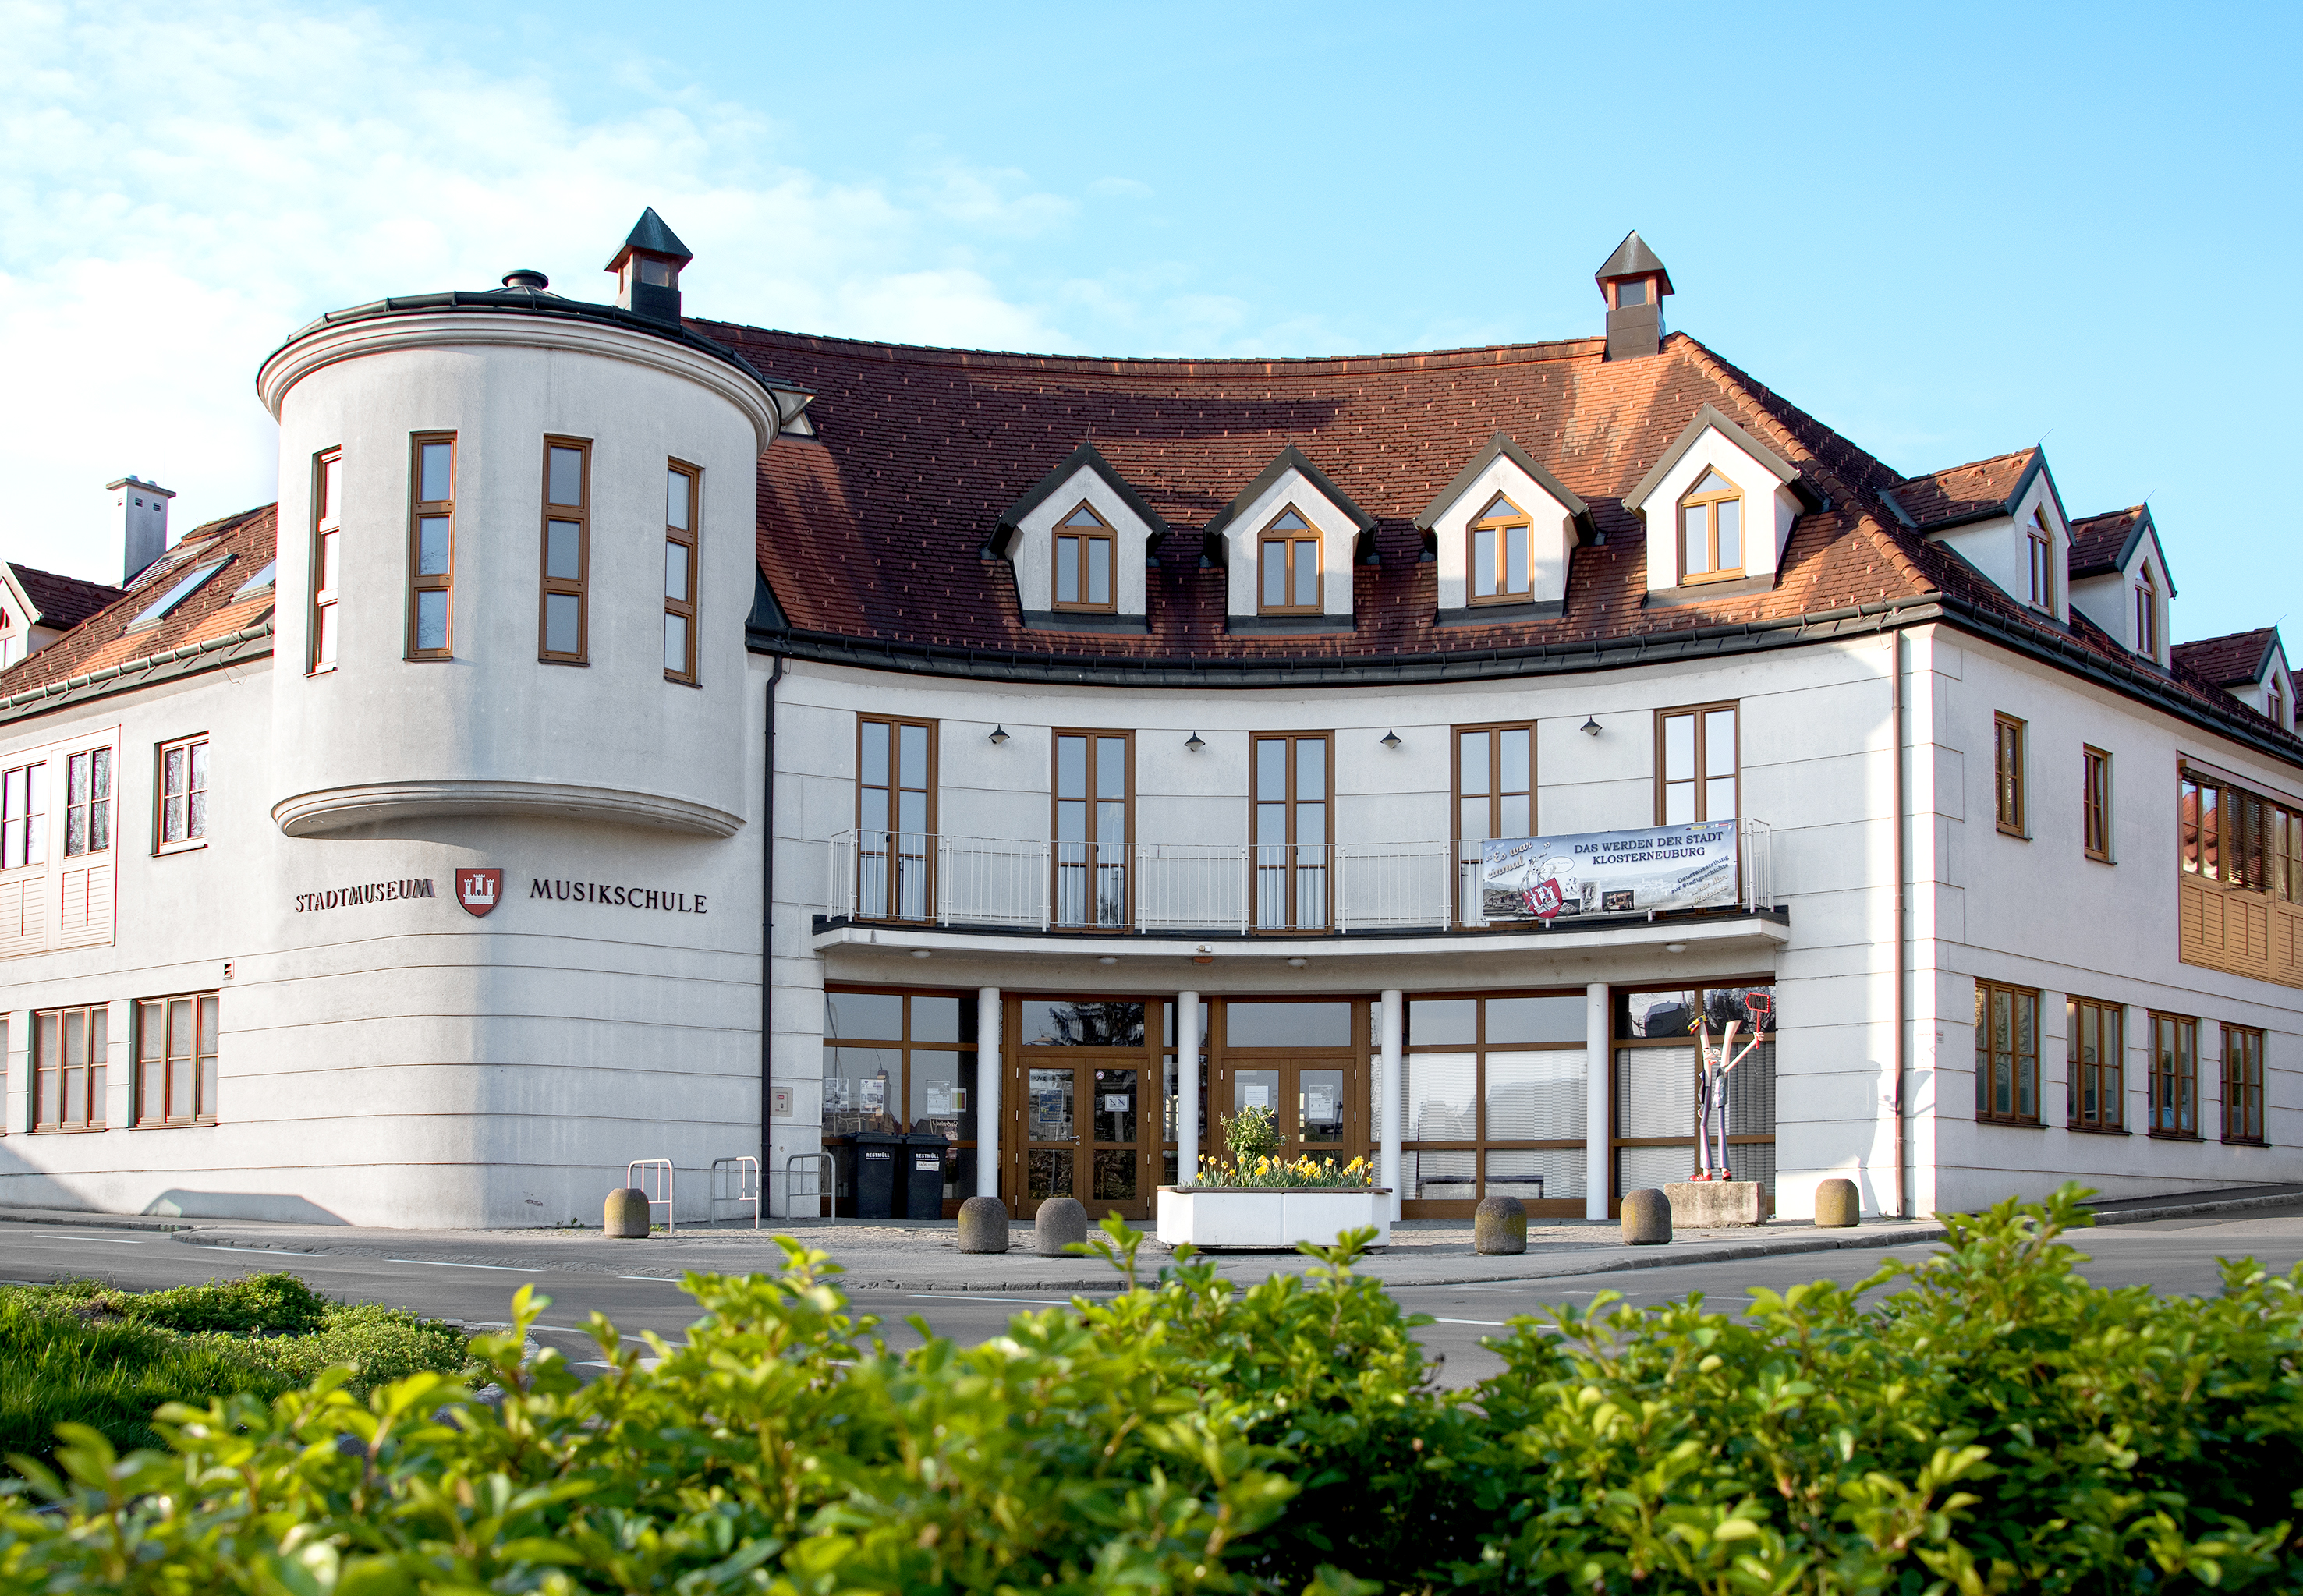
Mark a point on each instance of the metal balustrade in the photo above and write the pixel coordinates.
(1308, 888)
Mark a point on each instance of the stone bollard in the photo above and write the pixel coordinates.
(1061, 1221)
(1647, 1218)
(627, 1215)
(1836, 1205)
(1500, 1225)
(984, 1225)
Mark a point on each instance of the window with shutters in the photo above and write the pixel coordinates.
(563, 617)
(1086, 560)
(2096, 1050)
(2006, 1054)
(1696, 775)
(176, 1059)
(432, 546)
(2240, 885)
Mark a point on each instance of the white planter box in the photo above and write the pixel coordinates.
(1270, 1219)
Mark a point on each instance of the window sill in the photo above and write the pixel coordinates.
(2102, 859)
(194, 847)
(2098, 1130)
(677, 681)
(173, 1125)
(321, 670)
(2176, 1136)
(2019, 835)
(69, 1129)
(556, 660)
(2011, 1124)
(2245, 1141)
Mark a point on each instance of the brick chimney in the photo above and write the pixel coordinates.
(143, 523)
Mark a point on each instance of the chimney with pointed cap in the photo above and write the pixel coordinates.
(143, 523)
(1633, 282)
(647, 269)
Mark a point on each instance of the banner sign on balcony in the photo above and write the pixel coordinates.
(1608, 872)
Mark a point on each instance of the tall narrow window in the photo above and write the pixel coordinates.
(69, 1047)
(2040, 544)
(176, 1059)
(2095, 802)
(1695, 765)
(1290, 821)
(2274, 704)
(88, 803)
(2287, 864)
(327, 563)
(1494, 797)
(683, 525)
(2006, 1054)
(2243, 1083)
(1287, 555)
(1085, 548)
(1498, 563)
(1711, 530)
(2095, 1049)
(431, 545)
(2200, 817)
(2146, 616)
(1092, 798)
(24, 816)
(2174, 1075)
(895, 819)
(183, 794)
(563, 622)
(2007, 773)
(2246, 820)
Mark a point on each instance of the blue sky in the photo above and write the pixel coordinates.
(1946, 231)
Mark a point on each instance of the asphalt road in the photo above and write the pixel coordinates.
(2170, 1256)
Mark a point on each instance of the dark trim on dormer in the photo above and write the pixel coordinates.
(1989, 512)
(1710, 418)
(1502, 445)
(2117, 566)
(767, 619)
(1001, 543)
(1293, 458)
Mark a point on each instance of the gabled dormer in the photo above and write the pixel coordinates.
(1080, 541)
(1718, 507)
(2251, 667)
(38, 607)
(1501, 534)
(1289, 542)
(2120, 580)
(2004, 518)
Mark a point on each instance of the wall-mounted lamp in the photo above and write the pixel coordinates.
(1193, 745)
(1675, 947)
(999, 735)
(1109, 958)
(1391, 739)
(919, 953)
(1590, 728)
(1298, 963)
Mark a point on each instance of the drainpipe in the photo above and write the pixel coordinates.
(1902, 1046)
(768, 940)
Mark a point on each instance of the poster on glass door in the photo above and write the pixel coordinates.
(1608, 872)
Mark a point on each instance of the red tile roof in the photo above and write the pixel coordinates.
(2230, 660)
(1964, 493)
(63, 601)
(210, 612)
(2098, 540)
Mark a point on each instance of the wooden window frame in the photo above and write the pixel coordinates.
(2146, 616)
(103, 772)
(1083, 536)
(893, 857)
(2242, 1073)
(1482, 1140)
(2274, 704)
(92, 1070)
(689, 539)
(1502, 525)
(2174, 1079)
(2039, 557)
(2010, 812)
(2095, 802)
(580, 587)
(324, 640)
(1291, 539)
(1711, 501)
(1702, 778)
(906, 1045)
(205, 1011)
(420, 510)
(2022, 1068)
(25, 830)
(1293, 862)
(1094, 860)
(161, 796)
(1470, 913)
(2109, 1070)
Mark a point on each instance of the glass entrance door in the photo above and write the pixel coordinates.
(1083, 1118)
(1320, 1103)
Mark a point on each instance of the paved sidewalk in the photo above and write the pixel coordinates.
(921, 1256)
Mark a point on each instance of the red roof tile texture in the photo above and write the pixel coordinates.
(63, 601)
(1957, 493)
(2098, 540)
(247, 541)
(2227, 661)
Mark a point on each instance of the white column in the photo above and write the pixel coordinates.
(990, 1068)
(1599, 1100)
(1186, 1041)
(1394, 1018)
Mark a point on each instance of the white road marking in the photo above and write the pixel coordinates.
(662, 1279)
(441, 1264)
(46, 1241)
(1496, 1324)
(1055, 1302)
(214, 1247)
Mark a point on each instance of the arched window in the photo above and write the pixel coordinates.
(2041, 546)
(1711, 530)
(2146, 616)
(1288, 560)
(1498, 562)
(1084, 543)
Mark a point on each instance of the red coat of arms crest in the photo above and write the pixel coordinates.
(478, 890)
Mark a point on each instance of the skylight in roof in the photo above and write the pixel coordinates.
(157, 611)
(262, 578)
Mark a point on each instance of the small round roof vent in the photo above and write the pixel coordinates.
(528, 278)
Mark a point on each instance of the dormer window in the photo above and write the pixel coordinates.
(1084, 561)
(2042, 548)
(2274, 703)
(1711, 530)
(2146, 616)
(1498, 565)
(1287, 557)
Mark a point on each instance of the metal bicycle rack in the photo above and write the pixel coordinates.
(642, 1173)
(747, 1173)
(829, 1186)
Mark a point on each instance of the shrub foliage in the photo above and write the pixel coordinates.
(1981, 1421)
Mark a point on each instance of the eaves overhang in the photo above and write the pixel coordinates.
(248, 643)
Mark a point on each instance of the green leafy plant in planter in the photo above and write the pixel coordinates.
(1252, 1139)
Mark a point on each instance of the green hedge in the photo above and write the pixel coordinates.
(1988, 1422)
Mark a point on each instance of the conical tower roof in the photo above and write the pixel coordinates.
(1632, 258)
(650, 236)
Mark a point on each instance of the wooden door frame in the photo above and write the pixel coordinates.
(1016, 1063)
(1356, 1057)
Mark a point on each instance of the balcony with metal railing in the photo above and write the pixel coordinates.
(1178, 888)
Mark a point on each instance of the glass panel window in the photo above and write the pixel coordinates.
(1289, 823)
(895, 841)
(1498, 565)
(432, 546)
(2040, 543)
(2096, 1050)
(1287, 1024)
(24, 816)
(1092, 794)
(183, 793)
(88, 803)
(2243, 1083)
(1697, 765)
(1483, 1072)
(1084, 561)
(566, 552)
(327, 534)
(2095, 802)
(70, 1049)
(176, 1050)
(2174, 1075)
(683, 530)
(1056, 1022)
(895, 1061)
(1711, 530)
(1494, 797)
(2007, 769)
(2006, 1054)
(1288, 558)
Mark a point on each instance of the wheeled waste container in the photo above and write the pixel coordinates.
(925, 1156)
(864, 1165)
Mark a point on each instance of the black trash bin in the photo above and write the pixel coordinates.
(869, 1185)
(925, 1153)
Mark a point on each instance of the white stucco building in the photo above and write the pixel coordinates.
(629, 737)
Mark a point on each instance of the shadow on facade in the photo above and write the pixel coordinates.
(283, 1207)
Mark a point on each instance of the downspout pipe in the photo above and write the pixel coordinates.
(1902, 911)
(768, 939)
